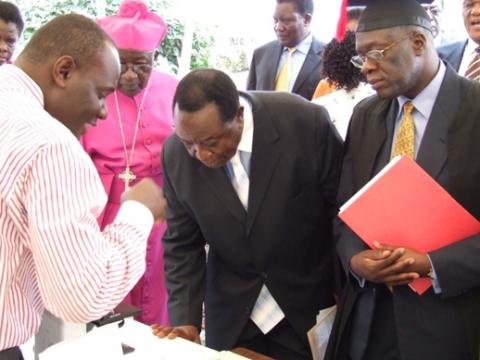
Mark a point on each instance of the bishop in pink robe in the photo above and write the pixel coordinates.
(139, 121)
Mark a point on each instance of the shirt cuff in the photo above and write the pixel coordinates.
(436, 285)
(361, 281)
(136, 214)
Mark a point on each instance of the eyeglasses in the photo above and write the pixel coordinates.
(136, 68)
(375, 55)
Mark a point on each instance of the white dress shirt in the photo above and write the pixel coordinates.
(340, 104)
(468, 55)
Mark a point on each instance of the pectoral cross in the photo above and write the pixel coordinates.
(127, 175)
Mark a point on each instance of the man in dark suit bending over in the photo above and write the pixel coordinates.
(253, 175)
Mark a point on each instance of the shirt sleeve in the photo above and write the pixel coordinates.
(82, 273)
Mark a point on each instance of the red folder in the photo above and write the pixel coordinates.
(402, 205)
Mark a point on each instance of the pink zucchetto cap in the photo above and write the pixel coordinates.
(135, 27)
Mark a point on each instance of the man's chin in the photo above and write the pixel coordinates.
(215, 164)
(130, 91)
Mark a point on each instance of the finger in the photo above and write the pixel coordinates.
(379, 246)
(398, 267)
(162, 331)
(377, 254)
(173, 334)
(395, 255)
(400, 279)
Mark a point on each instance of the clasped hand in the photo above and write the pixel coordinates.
(390, 265)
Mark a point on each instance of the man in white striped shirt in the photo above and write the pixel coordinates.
(52, 254)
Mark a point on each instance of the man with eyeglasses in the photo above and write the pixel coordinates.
(380, 317)
(126, 146)
(292, 62)
(463, 53)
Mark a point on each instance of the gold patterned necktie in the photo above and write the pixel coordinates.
(283, 79)
(473, 70)
(405, 141)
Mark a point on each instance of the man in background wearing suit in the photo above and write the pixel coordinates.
(380, 317)
(254, 176)
(461, 54)
(291, 63)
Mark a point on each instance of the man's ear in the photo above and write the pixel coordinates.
(63, 69)
(307, 19)
(419, 42)
(239, 114)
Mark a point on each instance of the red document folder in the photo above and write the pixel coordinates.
(403, 206)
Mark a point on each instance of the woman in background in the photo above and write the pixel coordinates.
(11, 27)
(350, 85)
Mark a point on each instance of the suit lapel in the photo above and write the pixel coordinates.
(265, 156)
(432, 153)
(368, 149)
(455, 59)
(311, 63)
(221, 186)
(274, 53)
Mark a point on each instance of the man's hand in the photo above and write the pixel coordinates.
(387, 266)
(420, 263)
(188, 332)
(150, 195)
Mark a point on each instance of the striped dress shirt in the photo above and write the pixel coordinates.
(52, 252)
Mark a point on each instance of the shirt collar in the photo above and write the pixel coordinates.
(425, 100)
(246, 140)
(25, 82)
(304, 45)
(470, 47)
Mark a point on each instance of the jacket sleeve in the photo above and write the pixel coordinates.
(184, 254)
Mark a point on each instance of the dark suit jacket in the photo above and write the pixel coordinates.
(284, 241)
(430, 326)
(264, 65)
(453, 53)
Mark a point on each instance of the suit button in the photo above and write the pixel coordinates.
(264, 275)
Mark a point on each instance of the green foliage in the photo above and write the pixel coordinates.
(234, 62)
(38, 12)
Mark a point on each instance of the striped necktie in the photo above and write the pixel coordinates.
(405, 141)
(266, 312)
(473, 70)
(240, 180)
(283, 79)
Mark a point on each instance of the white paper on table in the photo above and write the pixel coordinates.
(319, 334)
(100, 343)
(149, 347)
(106, 341)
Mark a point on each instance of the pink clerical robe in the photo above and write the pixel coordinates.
(104, 145)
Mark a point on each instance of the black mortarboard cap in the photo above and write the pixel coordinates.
(367, 2)
(382, 14)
